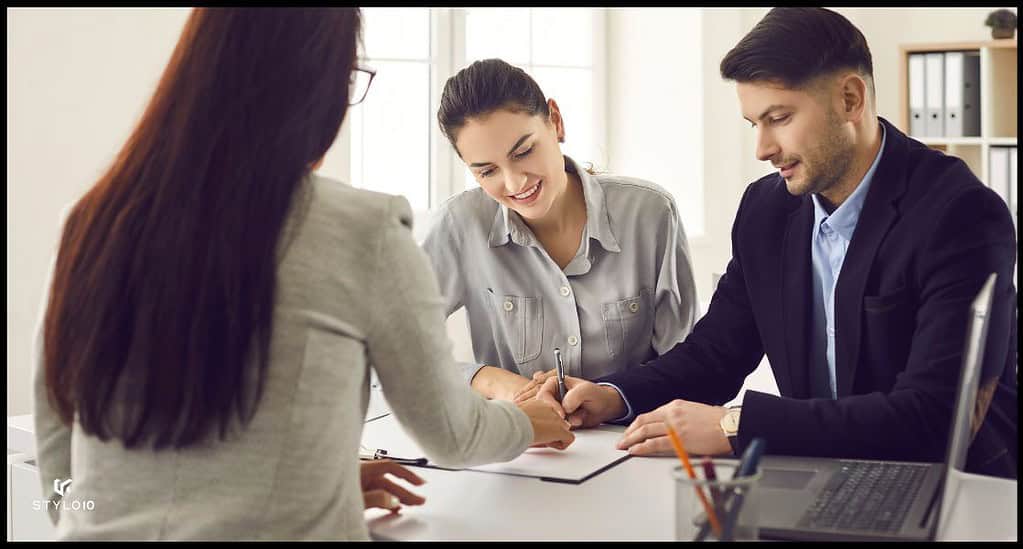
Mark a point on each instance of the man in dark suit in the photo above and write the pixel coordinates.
(852, 268)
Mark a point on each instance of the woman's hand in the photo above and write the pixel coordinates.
(381, 492)
(549, 428)
(529, 390)
(498, 383)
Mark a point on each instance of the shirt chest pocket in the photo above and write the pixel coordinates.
(628, 323)
(517, 323)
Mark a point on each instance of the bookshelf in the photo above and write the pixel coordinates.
(998, 102)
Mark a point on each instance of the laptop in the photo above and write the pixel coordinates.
(827, 499)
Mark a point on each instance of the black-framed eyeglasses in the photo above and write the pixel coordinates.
(358, 83)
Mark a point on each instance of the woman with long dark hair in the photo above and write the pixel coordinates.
(215, 309)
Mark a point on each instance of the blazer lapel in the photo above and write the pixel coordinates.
(878, 215)
(796, 293)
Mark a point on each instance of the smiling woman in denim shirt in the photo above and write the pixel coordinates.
(546, 254)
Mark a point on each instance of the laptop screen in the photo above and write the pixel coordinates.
(966, 398)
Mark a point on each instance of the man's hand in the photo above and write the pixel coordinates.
(586, 404)
(380, 491)
(699, 426)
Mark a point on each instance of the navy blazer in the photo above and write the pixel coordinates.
(927, 238)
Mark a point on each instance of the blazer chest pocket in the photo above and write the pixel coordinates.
(888, 325)
(517, 323)
(628, 322)
(887, 302)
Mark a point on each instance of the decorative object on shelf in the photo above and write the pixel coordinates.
(1002, 23)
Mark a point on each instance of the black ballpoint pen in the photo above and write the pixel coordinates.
(559, 367)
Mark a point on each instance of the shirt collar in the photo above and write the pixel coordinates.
(509, 226)
(843, 220)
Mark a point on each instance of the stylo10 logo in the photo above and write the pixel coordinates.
(61, 488)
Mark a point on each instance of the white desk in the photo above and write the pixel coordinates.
(632, 501)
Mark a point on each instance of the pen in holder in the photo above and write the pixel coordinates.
(734, 499)
(710, 514)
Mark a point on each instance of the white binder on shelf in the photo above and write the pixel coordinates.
(998, 171)
(934, 95)
(953, 94)
(917, 125)
(962, 94)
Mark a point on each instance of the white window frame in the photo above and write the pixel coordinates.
(448, 41)
(447, 55)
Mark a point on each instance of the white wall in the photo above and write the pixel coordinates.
(672, 120)
(655, 125)
(77, 81)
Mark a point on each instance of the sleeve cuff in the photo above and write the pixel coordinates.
(470, 370)
(628, 417)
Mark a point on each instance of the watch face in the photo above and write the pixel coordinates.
(731, 422)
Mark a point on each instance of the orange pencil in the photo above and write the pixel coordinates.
(682, 455)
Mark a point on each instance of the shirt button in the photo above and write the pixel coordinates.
(634, 307)
(565, 290)
(573, 341)
(508, 305)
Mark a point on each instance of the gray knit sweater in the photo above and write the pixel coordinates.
(354, 292)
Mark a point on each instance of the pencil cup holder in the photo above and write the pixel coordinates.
(734, 504)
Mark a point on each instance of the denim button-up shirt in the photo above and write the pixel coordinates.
(627, 295)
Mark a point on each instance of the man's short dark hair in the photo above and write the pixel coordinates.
(794, 46)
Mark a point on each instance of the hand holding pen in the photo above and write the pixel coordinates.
(585, 404)
(533, 386)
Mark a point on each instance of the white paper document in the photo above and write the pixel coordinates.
(592, 452)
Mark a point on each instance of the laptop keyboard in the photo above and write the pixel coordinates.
(868, 496)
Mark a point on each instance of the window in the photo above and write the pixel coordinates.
(391, 143)
(389, 131)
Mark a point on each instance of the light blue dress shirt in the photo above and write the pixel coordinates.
(829, 242)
